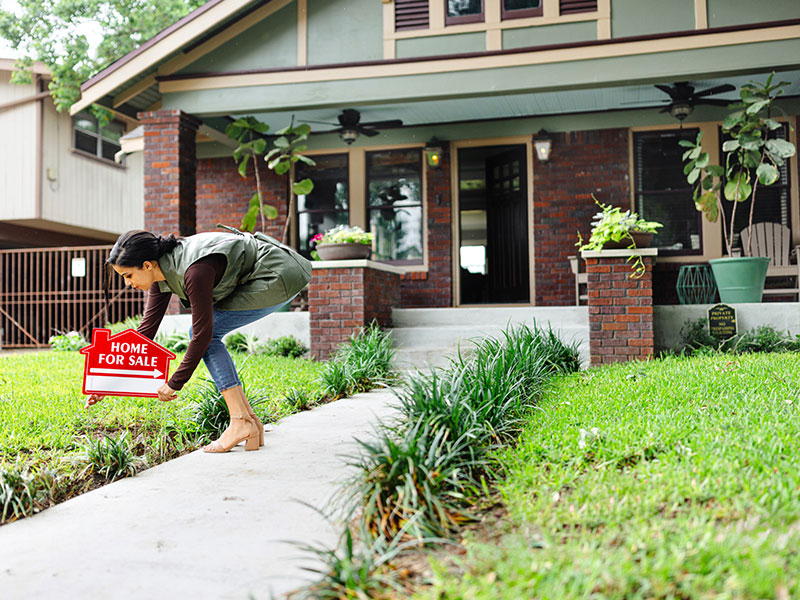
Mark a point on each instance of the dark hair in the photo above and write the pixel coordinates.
(135, 247)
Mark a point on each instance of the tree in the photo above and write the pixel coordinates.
(55, 33)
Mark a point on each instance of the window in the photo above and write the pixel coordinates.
(772, 202)
(394, 180)
(463, 11)
(89, 137)
(518, 9)
(327, 205)
(662, 193)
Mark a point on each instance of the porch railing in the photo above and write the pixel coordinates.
(45, 291)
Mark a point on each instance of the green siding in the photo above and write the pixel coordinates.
(344, 31)
(269, 44)
(756, 57)
(643, 17)
(722, 13)
(458, 43)
(550, 34)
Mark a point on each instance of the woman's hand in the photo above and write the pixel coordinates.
(166, 393)
(93, 399)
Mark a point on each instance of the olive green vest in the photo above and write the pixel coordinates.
(261, 272)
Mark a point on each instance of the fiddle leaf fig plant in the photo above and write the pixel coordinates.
(751, 157)
(612, 224)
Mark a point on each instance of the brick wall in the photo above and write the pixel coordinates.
(434, 288)
(170, 169)
(620, 308)
(582, 163)
(341, 300)
(223, 196)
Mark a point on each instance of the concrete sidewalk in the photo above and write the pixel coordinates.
(201, 526)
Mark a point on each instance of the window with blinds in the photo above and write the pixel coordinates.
(410, 14)
(772, 202)
(662, 193)
(568, 7)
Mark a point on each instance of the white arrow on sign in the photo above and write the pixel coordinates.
(154, 373)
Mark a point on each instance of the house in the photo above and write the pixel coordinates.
(494, 125)
(59, 182)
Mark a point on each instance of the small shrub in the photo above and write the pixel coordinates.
(67, 342)
(360, 364)
(285, 346)
(110, 457)
(764, 338)
(242, 342)
(23, 493)
(696, 339)
(298, 400)
(210, 413)
(176, 341)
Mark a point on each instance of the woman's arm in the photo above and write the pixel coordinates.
(155, 307)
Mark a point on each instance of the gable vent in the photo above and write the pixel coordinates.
(410, 14)
(568, 7)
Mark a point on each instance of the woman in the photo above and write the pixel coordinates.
(228, 280)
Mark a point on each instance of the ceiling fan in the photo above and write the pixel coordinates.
(683, 98)
(350, 125)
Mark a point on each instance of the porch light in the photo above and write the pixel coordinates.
(680, 110)
(348, 136)
(543, 143)
(433, 153)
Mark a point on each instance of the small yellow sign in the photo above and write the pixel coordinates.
(722, 321)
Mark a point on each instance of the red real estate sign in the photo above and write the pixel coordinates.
(125, 364)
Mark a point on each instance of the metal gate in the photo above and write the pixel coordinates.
(46, 291)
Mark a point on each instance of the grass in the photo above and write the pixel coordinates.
(44, 426)
(675, 478)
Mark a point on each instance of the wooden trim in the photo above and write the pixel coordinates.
(700, 14)
(436, 10)
(357, 182)
(494, 39)
(133, 91)
(99, 159)
(603, 19)
(21, 101)
(550, 9)
(483, 60)
(389, 49)
(459, 20)
(302, 32)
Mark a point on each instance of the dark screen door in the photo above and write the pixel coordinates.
(507, 227)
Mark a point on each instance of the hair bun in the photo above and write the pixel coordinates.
(166, 244)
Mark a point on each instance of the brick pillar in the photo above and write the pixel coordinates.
(346, 295)
(620, 308)
(170, 168)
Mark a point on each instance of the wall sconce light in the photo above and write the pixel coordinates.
(543, 144)
(433, 153)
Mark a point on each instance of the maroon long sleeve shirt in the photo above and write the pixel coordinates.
(200, 279)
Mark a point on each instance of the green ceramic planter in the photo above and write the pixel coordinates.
(740, 279)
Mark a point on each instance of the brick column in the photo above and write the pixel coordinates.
(620, 308)
(170, 168)
(346, 295)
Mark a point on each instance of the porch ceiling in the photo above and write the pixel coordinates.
(489, 106)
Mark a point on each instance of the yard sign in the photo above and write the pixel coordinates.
(126, 364)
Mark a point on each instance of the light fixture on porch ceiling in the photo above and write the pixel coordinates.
(348, 136)
(680, 110)
(433, 152)
(543, 144)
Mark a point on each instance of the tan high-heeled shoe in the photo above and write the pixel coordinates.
(250, 440)
(260, 427)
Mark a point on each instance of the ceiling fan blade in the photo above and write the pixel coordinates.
(368, 132)
(719, 89)
(713, 102)
(667, 90)
(319, 122)
(665, 109)
(382, 124)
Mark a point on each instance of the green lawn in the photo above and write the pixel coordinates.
(43, 419)
(677, 478)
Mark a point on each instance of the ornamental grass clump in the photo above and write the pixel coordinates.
(23, 493)
(111, 458)
(359, 365)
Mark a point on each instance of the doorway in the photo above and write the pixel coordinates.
(493, 224)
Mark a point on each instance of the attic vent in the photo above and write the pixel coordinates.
(410, 14)
(568, 7)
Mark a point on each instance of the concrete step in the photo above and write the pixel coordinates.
(429, 338)
(500, 317)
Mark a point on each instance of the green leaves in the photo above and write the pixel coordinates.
(738, 187)
(708, 205)
(767, 174)
(780, 148)
(303, 187)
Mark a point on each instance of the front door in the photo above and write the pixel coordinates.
(493, 211)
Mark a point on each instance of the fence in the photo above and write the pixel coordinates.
(45, 291)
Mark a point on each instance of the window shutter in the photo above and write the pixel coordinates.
(410, 14)
(568, 7)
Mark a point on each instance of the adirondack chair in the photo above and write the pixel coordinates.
(774, 240)
(581, 278)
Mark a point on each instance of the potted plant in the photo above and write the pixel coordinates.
(751, 158)
(613, 228)
(343, 243)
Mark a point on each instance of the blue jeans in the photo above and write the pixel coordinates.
(217, 359)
